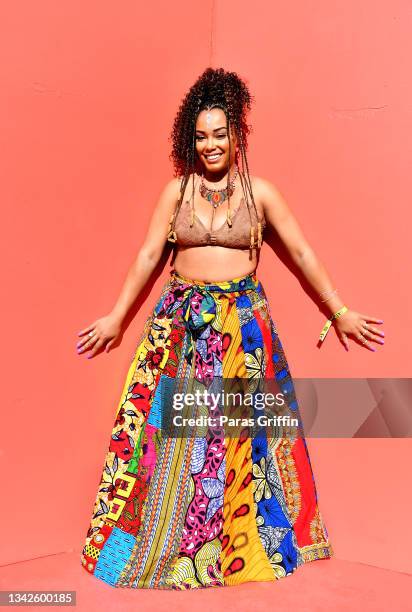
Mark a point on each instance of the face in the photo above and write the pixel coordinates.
(212, 142)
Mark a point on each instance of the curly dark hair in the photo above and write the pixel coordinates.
(214, 88)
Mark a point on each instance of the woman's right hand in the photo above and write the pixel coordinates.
(105, 331)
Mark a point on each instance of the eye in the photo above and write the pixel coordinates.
(218, 136)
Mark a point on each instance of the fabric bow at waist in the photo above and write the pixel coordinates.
(198, 306)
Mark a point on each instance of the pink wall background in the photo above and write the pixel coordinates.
(89, 93)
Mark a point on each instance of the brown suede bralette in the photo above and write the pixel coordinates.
(244, 233)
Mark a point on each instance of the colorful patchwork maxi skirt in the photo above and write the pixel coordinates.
(203, 509)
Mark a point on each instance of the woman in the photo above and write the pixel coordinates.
(209, 507)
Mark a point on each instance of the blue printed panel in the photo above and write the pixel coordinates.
(160, 410)
(114, 556)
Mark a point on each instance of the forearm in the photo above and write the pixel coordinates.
(137, 276)
(317, 276)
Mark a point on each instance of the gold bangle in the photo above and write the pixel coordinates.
(328, 298)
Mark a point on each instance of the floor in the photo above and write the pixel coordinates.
(323, 585)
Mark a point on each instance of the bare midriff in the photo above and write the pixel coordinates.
(214, 263)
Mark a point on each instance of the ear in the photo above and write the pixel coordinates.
(235, 142)
(237, 147)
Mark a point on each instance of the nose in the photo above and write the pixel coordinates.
(210, 144)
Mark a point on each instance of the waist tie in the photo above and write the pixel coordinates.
(241, 283)
(198, 309)
(197, 300)
(198, 306)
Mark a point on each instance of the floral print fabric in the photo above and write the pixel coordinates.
(202, 511)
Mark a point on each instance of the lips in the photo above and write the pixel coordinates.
(214, 157)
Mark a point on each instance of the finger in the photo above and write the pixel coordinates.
(87, 329)
(95, 349)
(90, 336)
(109, 346)
(85, 341)
(87, 344)
(360, 339)
(371, 319)
(372, 336)
(344, 339)
(374, 330)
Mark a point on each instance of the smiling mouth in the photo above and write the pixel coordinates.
(214, 157)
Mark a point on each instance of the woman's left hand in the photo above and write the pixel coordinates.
(358, 326)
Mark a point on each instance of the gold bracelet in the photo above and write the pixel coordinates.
(329, 322)
(326, 291)
(328, 298)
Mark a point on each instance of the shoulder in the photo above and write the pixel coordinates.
(266, 193)
(170, 191)
(168, 196)
(172, 186)
(262, 187)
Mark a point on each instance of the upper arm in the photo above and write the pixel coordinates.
(156, 235)
(281, 218)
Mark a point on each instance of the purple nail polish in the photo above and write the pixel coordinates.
(373, 349)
